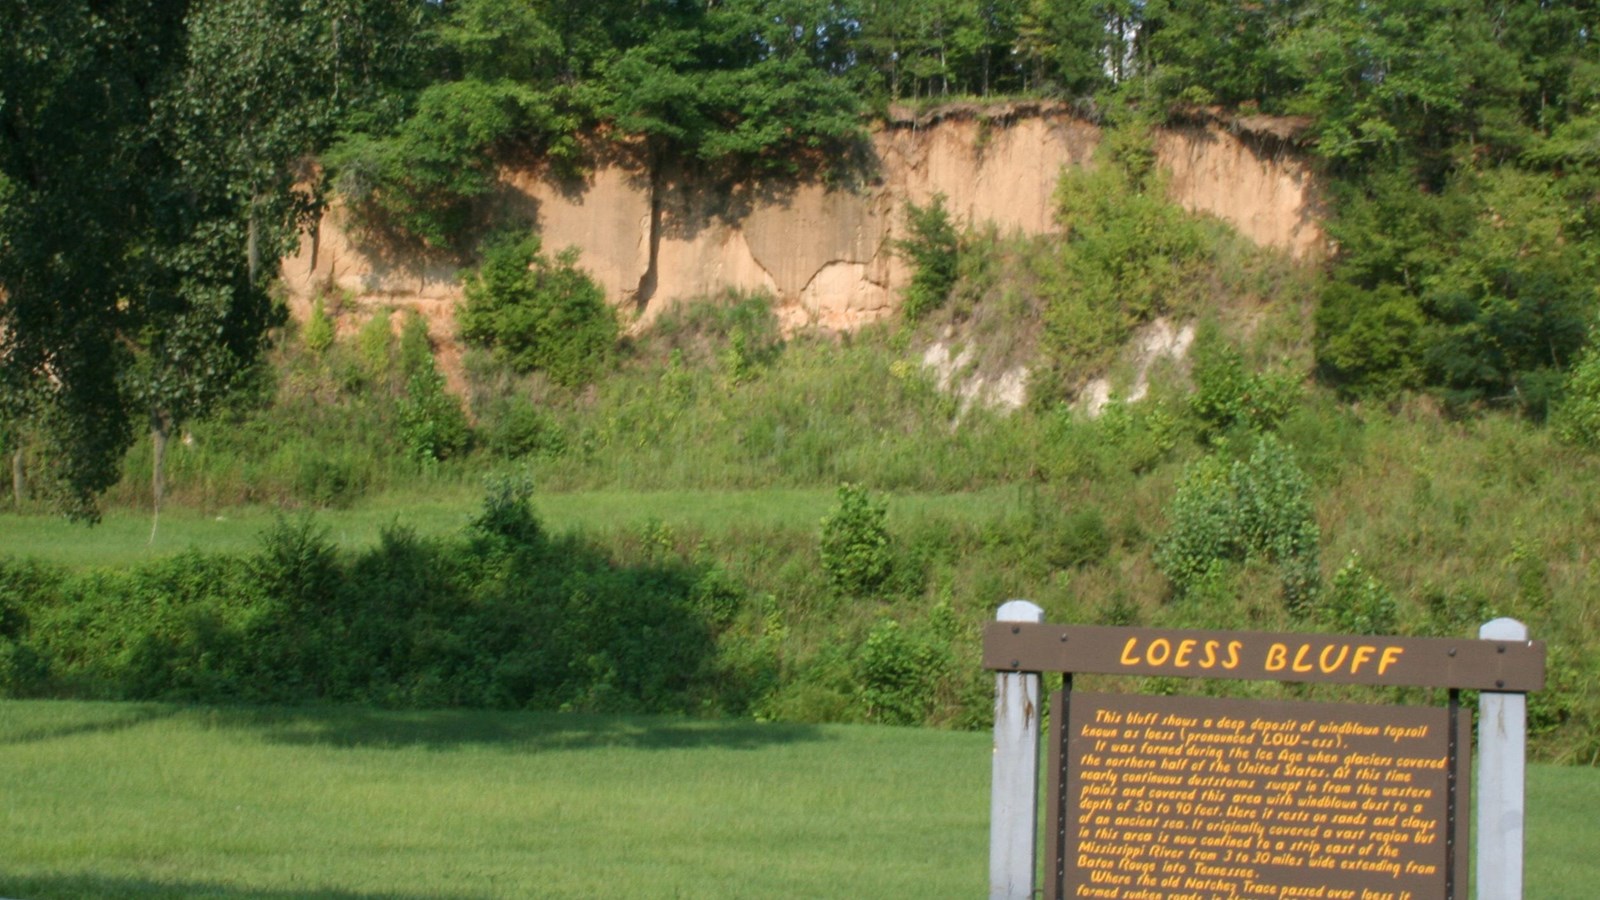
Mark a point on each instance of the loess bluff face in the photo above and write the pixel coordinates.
(824, 251)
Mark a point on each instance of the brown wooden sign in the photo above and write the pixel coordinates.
(1191, 797)
(1202, 797)
(1265, 656)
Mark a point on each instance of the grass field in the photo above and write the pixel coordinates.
(123, 537)
(156, 801)
(134, 800)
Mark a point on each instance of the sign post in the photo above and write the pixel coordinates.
(1502, 761)
(1014, 799)
(1165, 796)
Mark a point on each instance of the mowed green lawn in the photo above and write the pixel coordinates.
(144, 800)
(129, 800)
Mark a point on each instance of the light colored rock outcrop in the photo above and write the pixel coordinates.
(824, 252)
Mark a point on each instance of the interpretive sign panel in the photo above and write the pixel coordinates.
(1251, 655)
(1180, 797)
(1196, 798)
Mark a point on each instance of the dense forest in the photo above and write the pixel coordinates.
(1400, 439)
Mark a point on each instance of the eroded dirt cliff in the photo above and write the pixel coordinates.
(824, 251)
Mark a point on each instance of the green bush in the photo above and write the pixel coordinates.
(23, 671)
(1227, 397)
(500, 616)
(538, 315)
(934, 249)
(1255, 509)
(330, 481)
(1368, 342)
(1128, 256)
(1576, 417)
(507, 519)
(1356, 603)
(319, 328)
(896, 671)
(856, 551)
(1081, 538)
(416, 347)
(432, 423)
(514, 427)
(375, 348)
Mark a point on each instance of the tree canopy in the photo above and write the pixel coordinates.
(151, 157)
(154, 153)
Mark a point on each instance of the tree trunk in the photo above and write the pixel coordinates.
(160, 428)
(253, 245)
(19, 477)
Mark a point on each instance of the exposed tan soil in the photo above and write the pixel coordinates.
(824, 252)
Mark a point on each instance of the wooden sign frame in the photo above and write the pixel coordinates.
(1502, 664)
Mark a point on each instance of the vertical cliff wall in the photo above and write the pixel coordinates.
(825, 251)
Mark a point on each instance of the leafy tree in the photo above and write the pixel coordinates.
(537, 314)
(420, 185)
(745, 80)
(1217, 51)
(152, 161)
(1072, 47)
(77, 82)
(1402, 84)
(1511, 301)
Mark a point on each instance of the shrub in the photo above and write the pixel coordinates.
(23, 672)
(432, 423)
(1576, 417)
(332, 480)
(1355, 603)
(896, 671)
(375, 347)
(319, 328)
(1081, 538)
(1128, 256)
(1367, 342)
(933, 248)
(514, 427)
(507, 518)
(856, 551)
(1258, 508)
(297, 563)
(416, 348)
(538, 315)
(1227, 397)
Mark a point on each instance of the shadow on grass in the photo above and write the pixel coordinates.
(117, 717)
(97, 887)
(518, 732)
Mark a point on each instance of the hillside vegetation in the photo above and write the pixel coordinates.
(1400, 440)
(1238, 492)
